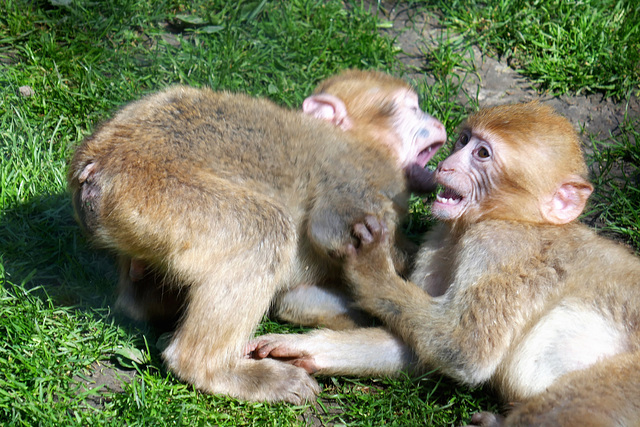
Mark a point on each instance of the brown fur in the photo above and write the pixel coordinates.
(541, 308)
(220, 202)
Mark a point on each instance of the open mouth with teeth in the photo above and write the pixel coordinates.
(425, 155)
(449, 196)
(449, 204)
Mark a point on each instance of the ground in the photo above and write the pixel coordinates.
(495, 81)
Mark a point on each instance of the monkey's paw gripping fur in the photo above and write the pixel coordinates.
(371, 249)
(369, 234)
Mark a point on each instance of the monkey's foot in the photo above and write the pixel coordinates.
(283, 382)
(265, 380)
(285, 348)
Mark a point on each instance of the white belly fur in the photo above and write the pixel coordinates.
(565, 340)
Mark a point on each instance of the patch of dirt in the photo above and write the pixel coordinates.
(494, 81)
(103, 378)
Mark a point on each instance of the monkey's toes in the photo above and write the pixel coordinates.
(295, 386)
(282, 348)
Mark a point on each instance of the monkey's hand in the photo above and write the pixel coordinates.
(369, 263)
(330, 227)
(288, 348)
(419, 179)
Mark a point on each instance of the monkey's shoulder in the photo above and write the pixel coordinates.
(499, 238)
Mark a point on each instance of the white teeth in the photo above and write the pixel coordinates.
(446, 200)
(448, 197)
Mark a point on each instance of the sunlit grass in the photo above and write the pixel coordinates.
(582, 46)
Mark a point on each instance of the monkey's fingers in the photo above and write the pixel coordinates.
(371, 231)
(276, 350)
(276, 347)
(362, 234)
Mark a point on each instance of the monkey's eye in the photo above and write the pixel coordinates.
(463, 140)
(483, 153)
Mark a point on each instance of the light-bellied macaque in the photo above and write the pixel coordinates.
(519, 295)
(221, 202)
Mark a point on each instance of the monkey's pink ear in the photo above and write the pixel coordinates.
(329, 108)
(568, 202)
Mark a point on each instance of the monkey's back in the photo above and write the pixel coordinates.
(209, 147)
(183, 130)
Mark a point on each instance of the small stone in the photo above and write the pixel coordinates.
(26, 91)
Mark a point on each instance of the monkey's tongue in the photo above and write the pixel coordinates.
(448, 196)
(425, 155)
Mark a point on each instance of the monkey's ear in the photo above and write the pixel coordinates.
(327, 107)
(568, 201)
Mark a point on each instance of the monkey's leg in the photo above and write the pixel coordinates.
(208, 348)
(145, 294)
(605, 394)
(235, 268)
(361, 352)
(227, 250)
(311, 305)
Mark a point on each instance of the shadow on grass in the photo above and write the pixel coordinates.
(41, 245)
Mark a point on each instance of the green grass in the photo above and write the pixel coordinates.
(584, 46)
(616, 175)
(83, 59)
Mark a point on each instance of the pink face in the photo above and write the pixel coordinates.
(420, 134)
(467, 176)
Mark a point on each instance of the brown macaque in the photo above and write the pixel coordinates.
(368, 106)
(518, 294)
(220, 203)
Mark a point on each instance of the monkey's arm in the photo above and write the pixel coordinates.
(405, 308)
(441, 331)
(358, 352)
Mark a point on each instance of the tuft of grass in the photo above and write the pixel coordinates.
(430, 400)
(615, 166)
(580, 47)
(44, 349)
